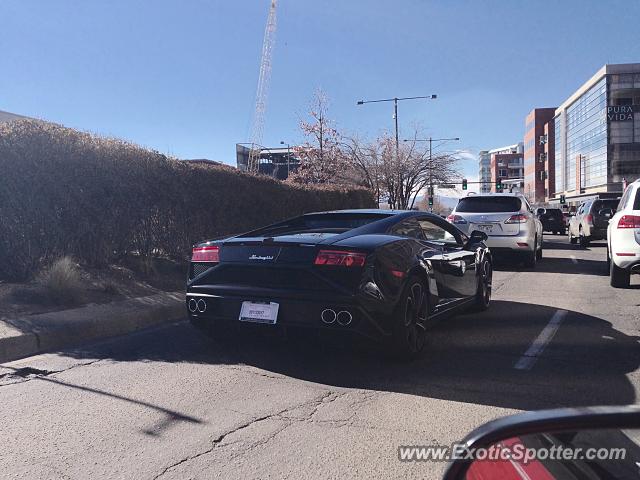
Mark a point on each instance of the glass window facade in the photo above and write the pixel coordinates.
(586, 137)
(624, 134)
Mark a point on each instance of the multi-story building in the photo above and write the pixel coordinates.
(535, 172)
(507, 163)
(484, 171)
(597, 135)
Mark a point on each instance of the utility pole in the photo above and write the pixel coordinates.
(288, 156)
(431, 140)
(395, 101)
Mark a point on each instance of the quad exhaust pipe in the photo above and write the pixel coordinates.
(199, 305)
(342, 317)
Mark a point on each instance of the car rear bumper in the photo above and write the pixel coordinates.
(517, 243)
(628, 262)
(553, 226)
(302, 312)
(598, 233)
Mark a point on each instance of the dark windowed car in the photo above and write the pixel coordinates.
(590, 221)
(552, 220)
(382, 274)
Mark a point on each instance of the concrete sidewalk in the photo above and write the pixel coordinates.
(29, 335)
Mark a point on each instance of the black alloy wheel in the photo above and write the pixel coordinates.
(410, 329)
(483, 295)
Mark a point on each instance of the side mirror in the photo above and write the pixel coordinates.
(477, 236)
(597, 442)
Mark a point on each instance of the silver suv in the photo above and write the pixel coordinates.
(506, 218)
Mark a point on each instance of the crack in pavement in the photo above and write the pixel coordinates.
(217, 442)
(27, 373)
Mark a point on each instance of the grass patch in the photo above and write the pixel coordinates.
(62, 281)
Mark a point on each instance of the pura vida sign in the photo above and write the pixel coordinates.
(620, 113)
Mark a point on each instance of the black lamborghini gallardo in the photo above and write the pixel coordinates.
(382, 274)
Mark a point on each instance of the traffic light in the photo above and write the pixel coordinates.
(563, 199)
(431, 201)
(499, 185)
(464, 183)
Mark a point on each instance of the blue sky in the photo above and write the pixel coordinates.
(180, 76)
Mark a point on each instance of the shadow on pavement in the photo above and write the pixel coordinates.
(470, 358)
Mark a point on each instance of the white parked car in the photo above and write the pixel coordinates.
(623, 233)
(506, 218)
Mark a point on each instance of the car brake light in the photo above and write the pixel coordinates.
(206, 254)
(340, 258)
(629, 221)
(589, 218)
(520, 218)
(457, 219)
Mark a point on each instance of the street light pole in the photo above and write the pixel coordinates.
(431, 140)
(395, 116)
(288, 155)
(395, 101)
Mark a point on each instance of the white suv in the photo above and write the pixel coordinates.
(623, 233)
(506, 218)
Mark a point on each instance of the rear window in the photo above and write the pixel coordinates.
(636, 203)
(600, 204)
(319, 223)
(489, 204)
(553, 213)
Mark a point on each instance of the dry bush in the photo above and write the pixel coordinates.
(65, 192)
(62, 281)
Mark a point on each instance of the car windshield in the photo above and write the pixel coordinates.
(489, 204)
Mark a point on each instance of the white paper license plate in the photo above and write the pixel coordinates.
(485, 228)
(256, 312)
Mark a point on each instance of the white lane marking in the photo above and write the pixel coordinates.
(530, 357)
(574, 259)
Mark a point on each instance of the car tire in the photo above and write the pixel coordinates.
(563, 232)
(483, 291)
(584, 240)
(608, 259)
(531, 258)
(539, 253)
(410, 321)
(573, 240)
(618, 277)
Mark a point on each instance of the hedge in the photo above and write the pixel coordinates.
(65, 192)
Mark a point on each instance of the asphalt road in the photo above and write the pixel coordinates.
(170, 404)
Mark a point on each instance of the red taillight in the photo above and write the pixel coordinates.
(206, 254)
(629, 221)
(520, 218)
(341, 258)
(457, 219)
(589, 218)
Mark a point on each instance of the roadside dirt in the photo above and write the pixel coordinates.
(130, 279)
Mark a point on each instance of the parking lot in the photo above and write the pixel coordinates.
(168, 403)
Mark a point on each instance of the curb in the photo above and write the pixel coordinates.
(26, 336)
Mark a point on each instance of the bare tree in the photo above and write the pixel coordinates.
(398, 177)
(321, 159)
